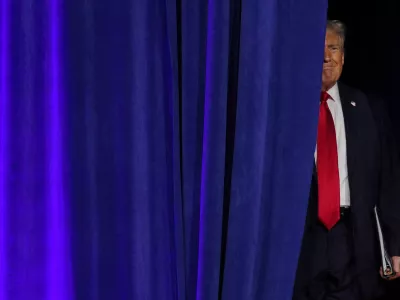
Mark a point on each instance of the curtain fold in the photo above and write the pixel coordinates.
(155, 149)
(279, 84)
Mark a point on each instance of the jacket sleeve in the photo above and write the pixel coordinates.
(389, 203)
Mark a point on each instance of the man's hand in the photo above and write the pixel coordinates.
(396, 267)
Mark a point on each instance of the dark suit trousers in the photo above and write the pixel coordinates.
(326, 271)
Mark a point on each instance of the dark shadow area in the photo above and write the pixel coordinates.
(372, 48)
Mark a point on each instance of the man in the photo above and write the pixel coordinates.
(355, 169)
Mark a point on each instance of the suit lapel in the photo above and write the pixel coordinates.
(349, 115)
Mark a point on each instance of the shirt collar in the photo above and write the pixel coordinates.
(334, 93)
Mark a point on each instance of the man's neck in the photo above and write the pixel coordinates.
(326, 88)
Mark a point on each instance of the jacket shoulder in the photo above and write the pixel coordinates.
(352, 94)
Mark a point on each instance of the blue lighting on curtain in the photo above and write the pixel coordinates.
(4, 133)
(59, 260)
(113, 129)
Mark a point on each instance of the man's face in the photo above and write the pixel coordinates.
(333, 60)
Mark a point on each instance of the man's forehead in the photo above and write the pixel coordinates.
(331, 35)
(333, 42)
(332, 38)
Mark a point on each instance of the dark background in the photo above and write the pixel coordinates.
(373, 59)
(372, 49)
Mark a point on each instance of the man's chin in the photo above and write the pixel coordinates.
(327, 74)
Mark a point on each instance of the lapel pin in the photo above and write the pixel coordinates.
(353, 103)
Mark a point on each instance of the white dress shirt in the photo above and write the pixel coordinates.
(335, 107)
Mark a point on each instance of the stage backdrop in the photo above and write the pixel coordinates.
(156, 149)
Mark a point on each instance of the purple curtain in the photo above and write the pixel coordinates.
(155, 149)
(34, 234)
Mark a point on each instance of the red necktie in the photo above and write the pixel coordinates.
(327, 167)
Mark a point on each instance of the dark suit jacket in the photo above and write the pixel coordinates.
(373, 170)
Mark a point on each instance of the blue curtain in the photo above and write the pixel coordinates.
(156, 149)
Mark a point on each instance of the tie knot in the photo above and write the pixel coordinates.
(325, 96)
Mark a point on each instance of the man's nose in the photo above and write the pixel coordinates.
(327, 56)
